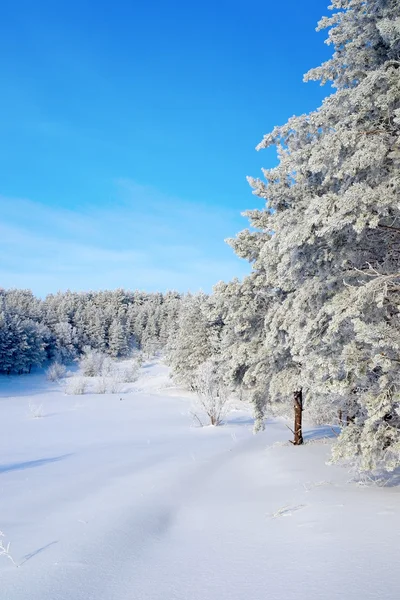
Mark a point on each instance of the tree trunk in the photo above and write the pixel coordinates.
(298, 417)
(340, 417)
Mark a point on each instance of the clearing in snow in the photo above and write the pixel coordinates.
(123, 497)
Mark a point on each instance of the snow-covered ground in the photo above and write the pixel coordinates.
(122, 497)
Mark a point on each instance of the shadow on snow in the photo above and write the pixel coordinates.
(31, 464)
(36, 552)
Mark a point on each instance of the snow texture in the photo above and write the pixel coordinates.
(122, 497)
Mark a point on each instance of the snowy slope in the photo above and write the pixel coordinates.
(109, 499)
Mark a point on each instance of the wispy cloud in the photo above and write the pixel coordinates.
(142, 239)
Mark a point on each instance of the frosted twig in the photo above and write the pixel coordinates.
(5, 550)
(290, 429)
(197, 418)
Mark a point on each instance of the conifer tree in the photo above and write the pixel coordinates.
(191, 346)
(329, 236)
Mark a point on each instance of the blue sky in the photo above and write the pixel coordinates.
(128, 129)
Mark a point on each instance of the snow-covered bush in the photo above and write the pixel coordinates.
(211, 393)
(139, 358)
(56, 371)
(100, 386)
(129, 372)
(108, 366)
(76, 386)
(91, 363)
(114, 385)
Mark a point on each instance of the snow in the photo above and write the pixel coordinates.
(122, 497)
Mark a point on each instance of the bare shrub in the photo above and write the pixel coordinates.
(211, 393)
(56, 371)
(75, 386)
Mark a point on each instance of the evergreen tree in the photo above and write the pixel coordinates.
(191, 346)
(117, 342)
(330, 224)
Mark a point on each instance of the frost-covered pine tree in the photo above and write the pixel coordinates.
(7, 343)
(22, 343)
(117, 340)
(97, 330)
(191, 346)
(330, 236)
(243, 360)
(66, 342)
(169, 314)
(149, 341)
(32, 346)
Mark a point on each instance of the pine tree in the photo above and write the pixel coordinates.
(330, 224)
(117, 341)
(191, 346)
(6, 343)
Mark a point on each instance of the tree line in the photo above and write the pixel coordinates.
(60, 327)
